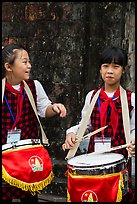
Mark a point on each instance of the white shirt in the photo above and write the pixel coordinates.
(43, 100)
(74, 129)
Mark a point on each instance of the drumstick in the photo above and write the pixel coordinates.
(90, 134)
(110, 149)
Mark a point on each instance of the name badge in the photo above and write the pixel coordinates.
(13, 135)
(102, 144)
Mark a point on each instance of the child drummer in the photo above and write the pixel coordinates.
(108, 111)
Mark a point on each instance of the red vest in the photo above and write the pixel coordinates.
(28, 120)
(119, 138)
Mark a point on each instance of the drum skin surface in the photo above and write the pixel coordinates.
(97, 164)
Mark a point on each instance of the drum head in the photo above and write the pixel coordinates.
(89, 160)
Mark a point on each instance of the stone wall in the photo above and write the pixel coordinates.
(64, 40)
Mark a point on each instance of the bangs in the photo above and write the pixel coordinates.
(114, 55)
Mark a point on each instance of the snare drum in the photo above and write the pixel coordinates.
(26, 164)
(97, 178)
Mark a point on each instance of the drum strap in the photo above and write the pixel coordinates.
(31, 99)
(3, 88)
(83, 126)
(125, 116)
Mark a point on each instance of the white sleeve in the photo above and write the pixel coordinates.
(43, 100)
(75, 128)
(132, 119)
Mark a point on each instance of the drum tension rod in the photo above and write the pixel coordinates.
(13, 144)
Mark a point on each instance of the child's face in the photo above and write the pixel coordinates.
(21, 67)
(111, 73)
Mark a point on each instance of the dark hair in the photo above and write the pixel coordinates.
(115, 55)
(9, 54)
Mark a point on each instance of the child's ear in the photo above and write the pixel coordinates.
(7, 67)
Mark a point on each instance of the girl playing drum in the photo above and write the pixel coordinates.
(17, 112)
(107, 111)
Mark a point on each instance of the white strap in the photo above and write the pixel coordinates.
(83, 126)
(31, 99)
(125, 114)
(3, 88)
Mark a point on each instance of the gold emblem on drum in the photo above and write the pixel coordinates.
(89, 196)
(36, 163)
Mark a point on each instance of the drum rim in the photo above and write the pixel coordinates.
(98, 165)
(20, 143)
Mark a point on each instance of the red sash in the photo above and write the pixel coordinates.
(95, 188)
(28, 168)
